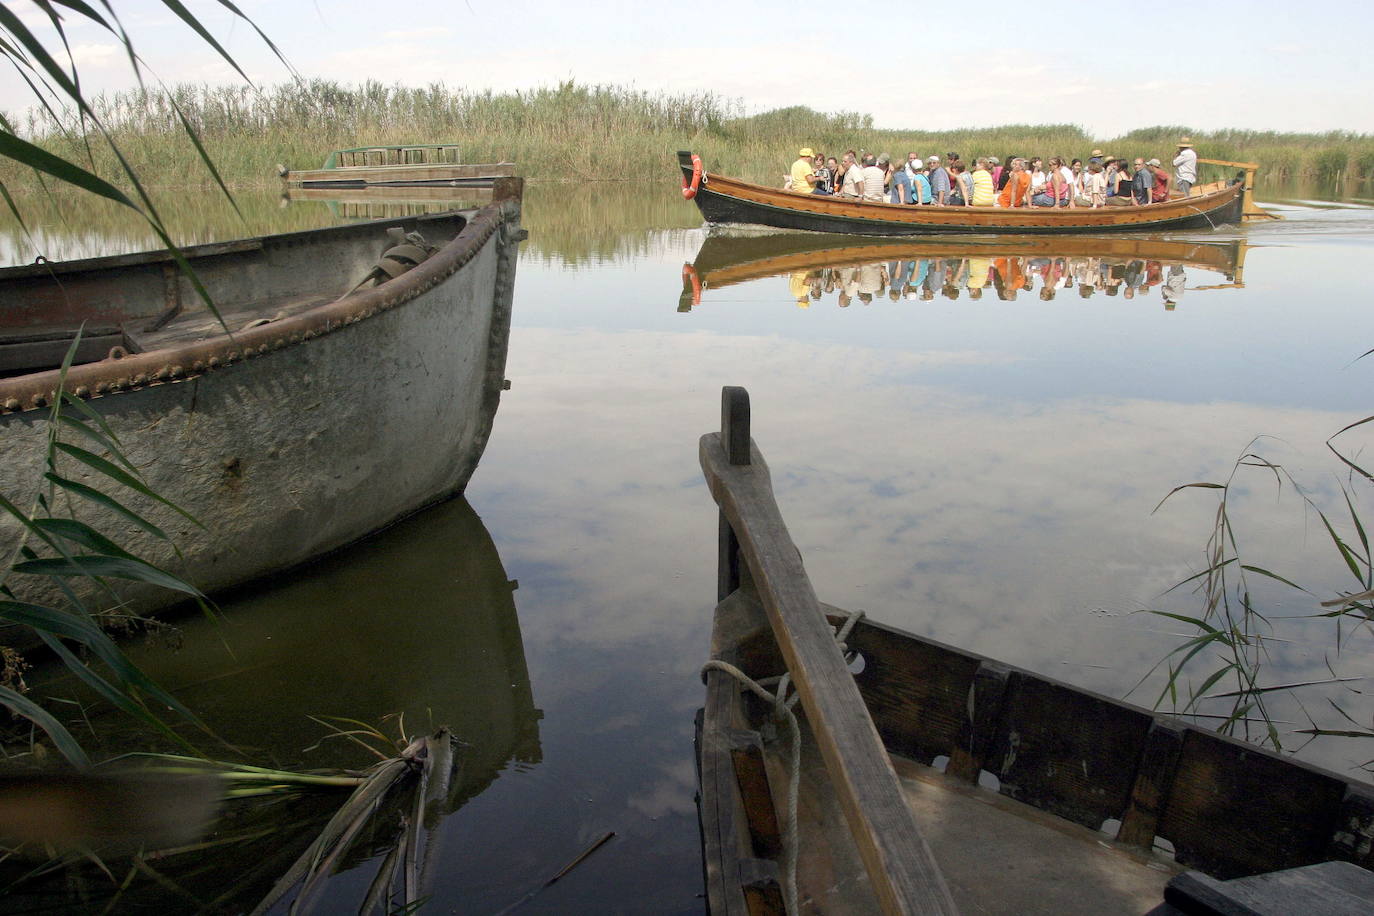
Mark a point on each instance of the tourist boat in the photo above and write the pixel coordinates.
(931, 779)
(730, 200)
(731, 256)
(396, 166)
(331, 407)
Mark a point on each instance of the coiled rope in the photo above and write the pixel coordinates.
(782, 709)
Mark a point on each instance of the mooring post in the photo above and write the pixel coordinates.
(734, 439)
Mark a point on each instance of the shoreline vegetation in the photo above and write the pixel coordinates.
(577, 132)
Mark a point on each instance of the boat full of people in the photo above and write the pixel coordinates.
(876, 195)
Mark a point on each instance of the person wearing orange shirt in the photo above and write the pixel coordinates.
(1018, 184)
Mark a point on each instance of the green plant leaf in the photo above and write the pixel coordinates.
(82, 534)
(109, 469)
(35, 157)
(61, 738)
(109, 502)
(115, 567)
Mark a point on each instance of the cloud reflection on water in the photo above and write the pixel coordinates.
(1017, 528)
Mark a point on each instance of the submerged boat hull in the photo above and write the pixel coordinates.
(728, 200)
(306, 429)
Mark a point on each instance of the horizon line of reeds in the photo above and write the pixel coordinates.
(579, 132)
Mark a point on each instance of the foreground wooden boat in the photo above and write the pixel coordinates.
(333, 409)
(729, 200)
(730, 257)
(1051, 799)
(396, 167)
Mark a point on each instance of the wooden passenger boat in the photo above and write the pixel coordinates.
(333, 408)
(728, 259)
(1051, 799)
(396, 166)
(730, 200)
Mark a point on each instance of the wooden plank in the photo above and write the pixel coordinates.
(1326, 889)
(899, 863)
(1067, 751)
(1353, 840)
(986, 697)
(916, 691)
(1236, 810)
(1153, 779)
(722, 852)
(751, 775)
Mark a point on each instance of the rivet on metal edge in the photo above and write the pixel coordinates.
(102, 387)
(40, 400)
(82, 391)
(12, 404)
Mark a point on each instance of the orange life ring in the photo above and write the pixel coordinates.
(691, 280)
(690, 190)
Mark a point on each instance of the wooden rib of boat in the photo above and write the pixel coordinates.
(730, 200)
(331, 410)
(725, 260)
(425, 165)
(1052, 799)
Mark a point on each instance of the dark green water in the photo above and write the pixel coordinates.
(982, 470)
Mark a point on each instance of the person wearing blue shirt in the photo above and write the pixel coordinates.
(902, 189)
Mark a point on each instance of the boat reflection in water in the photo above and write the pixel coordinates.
(1008, 268)
(412, 630)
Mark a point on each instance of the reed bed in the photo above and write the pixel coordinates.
(581, 132)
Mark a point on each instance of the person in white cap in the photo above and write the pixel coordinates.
(1185, 166)
(939, 181)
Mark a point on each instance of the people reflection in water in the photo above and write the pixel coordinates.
(926, 279)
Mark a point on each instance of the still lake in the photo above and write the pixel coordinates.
(973, 466)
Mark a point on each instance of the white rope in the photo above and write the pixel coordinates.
(782, 708)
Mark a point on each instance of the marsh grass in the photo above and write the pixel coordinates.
(582, 132)
(1225, 662)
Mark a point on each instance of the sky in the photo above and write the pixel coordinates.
(1258, 65)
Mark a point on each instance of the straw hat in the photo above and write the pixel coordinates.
(1153, 162)
(1184, 141)
(806, 151)
(1097, 152)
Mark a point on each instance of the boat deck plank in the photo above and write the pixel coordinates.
(998, 856)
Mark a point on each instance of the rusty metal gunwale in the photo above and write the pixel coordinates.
(175, 364)
(944, 217)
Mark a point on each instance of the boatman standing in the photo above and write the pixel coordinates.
(1185, 166)
(804, 172)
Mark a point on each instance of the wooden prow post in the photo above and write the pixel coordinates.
(734, 438)
(1249, 209)
(901, 870)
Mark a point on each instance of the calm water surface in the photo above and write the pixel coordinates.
(972, 466)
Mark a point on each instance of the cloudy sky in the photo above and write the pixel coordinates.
(1203, 65)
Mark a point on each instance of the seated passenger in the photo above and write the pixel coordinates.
(1163, 180)
(1016, 191)
(902, 187)
(923, 193)
(982, 181)
(874, 178)
(825, 180)
(803, 172)
(853, 183)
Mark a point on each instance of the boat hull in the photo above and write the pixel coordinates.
(298, 436)
(727, 200)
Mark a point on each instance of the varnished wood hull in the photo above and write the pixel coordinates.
(728, 200)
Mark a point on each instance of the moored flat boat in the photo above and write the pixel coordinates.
(426, 165)
(729, 200)
(934, 780)
(331, 410)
